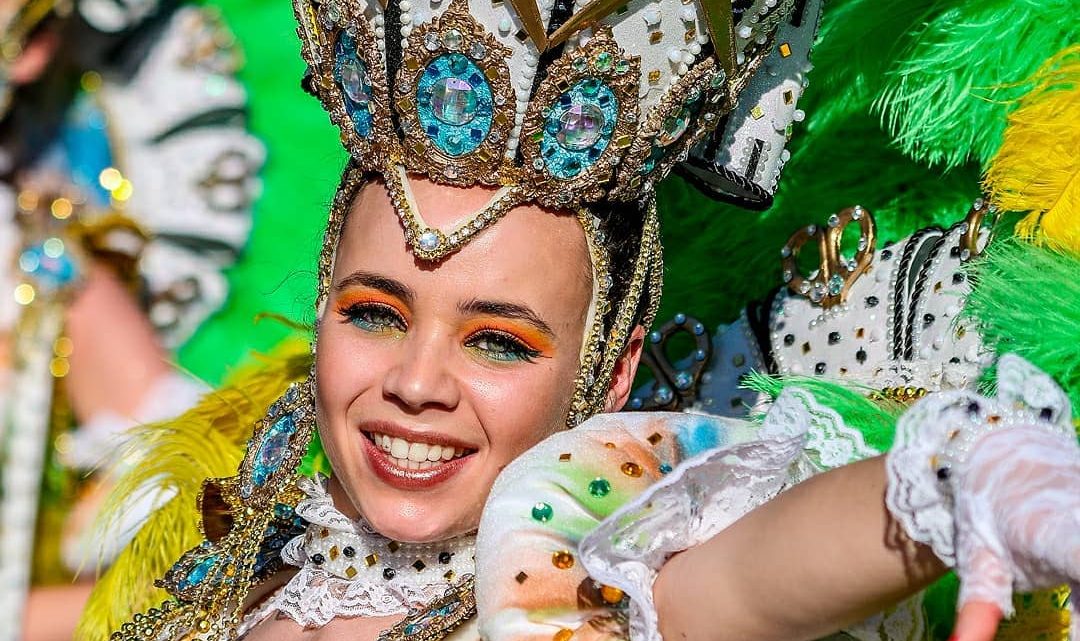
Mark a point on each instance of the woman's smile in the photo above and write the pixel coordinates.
(410, 460)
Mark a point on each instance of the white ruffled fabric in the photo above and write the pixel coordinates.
(993, 485)
(711, 491)
(353, 585)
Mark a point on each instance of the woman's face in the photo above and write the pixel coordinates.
(433, 377)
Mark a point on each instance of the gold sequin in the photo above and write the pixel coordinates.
(371, 559)
(757, 112)
(562, 560)
(655, 37)
(611, 595)
(564, 457)
(785, 49)
(350, 572)
(521, 576)
(655, 438)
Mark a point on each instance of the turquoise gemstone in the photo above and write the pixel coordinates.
(455, 104)
(453, 101)
(580, 127)
(198, 574)
(673, 127)
(273, 449)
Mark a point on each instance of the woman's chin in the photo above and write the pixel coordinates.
(417, 527)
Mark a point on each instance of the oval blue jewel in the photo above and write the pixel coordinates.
(454, 103)
(352, 78)
(198, 574)
(272, 449)
(579, 127)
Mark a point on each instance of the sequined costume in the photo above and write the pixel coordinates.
(472, 93)
(130, 149)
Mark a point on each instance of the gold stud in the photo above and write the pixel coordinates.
(562, 560)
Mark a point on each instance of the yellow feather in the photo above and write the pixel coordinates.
(176, 456)
(1037, 168)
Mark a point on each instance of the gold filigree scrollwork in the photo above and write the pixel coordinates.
(828, 285)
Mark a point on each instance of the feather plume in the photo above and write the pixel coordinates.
(946, 96)
(1037, 169)
(858, 405)
(1025, 301)
(174, 458)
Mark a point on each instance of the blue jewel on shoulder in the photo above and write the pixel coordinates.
(579, 127)
(455, 104)
(198, 573)
(273, 449)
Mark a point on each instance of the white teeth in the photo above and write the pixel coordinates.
(399, 448)
(415, 456)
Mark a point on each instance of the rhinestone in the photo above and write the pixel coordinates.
(580, 65)
(819, 369)
(663, 395)
(872, 301)
(674, 127)
(622, 66)
(521, 576)
(453, 101)
(599, 487)
(355, 81)
(318, 559)
(431, 41)
(542, 512)
(836, 285)
(419, 565)
(860, 355)
(610, 595)
(388, 573)
(834, 338)
(603, 61)
(834, 220)
(943, 473)
(451, 39)
(580, 126)
(683, 380)
(429, 240)
(564, 634)
(631, 469)
(789, 339)
(477, 51)
(562, 560)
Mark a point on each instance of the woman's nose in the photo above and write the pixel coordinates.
(421, 377)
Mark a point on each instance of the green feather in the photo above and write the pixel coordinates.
(875, 417)
(947, 97)
(1025, 301)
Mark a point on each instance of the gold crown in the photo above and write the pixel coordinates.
(553, 105)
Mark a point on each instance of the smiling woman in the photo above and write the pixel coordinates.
(462, 366)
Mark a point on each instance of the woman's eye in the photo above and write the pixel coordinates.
(374, 317)
(502, 347)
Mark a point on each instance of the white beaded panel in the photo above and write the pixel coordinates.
(855, 341)
(735, 354)
(502, 21)
(753, 142)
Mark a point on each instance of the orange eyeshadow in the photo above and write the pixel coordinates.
(360, 296)
(532, 337)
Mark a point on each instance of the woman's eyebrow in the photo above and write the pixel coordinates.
(506, 310)
(381, 283)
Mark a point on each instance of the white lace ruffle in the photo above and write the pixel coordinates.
(937, 433)
(342, 564)
(709, 492)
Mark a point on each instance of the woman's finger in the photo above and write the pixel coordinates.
(977, 621)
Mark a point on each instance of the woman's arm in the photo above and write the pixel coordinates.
(823, 554)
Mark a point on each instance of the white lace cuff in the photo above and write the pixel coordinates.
(934, 437)
(707, 493)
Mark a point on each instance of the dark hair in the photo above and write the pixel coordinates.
(623, 224)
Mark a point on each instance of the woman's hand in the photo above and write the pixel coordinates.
(1017, 525)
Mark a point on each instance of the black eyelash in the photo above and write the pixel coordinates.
(353, 313)
(515, 346)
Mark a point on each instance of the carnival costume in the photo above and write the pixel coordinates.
(145, 166)
(482, 93)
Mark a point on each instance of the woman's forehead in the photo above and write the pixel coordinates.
(532, 252)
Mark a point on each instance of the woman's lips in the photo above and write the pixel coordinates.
(427, 473)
